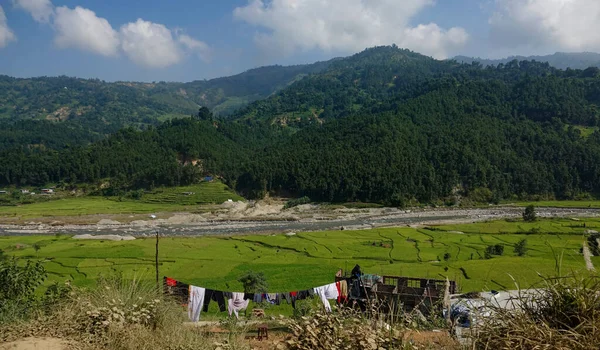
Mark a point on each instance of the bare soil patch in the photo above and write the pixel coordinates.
(38, 344)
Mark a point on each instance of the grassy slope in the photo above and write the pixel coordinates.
(311, 259)
(161, 199)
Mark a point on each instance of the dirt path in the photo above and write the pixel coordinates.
(587, 256)
(36, 344)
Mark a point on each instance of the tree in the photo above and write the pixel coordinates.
(37, 248)
(521, 247)
(497, 249)
(529, 214)
(254, 282)
(204, 114)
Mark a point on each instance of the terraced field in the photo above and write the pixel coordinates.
(309, 259)
(161, 199)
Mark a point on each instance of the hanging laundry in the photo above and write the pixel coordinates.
(258, 298)
(248, 296)
(237, 303)
(294, 296)
(196, 302)
(326, 292)
(214, 295)
(176, 289)
(272, 298)
(342, 287)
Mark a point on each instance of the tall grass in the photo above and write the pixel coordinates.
(563, 313)
(122, 314)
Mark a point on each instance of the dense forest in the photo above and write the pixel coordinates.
(386, 125)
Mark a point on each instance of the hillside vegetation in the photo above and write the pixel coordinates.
(386, 125)
(55, 112)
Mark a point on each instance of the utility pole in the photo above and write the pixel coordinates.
(158, 289)
(156, 263)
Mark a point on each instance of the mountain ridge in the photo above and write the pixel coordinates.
(561, 60)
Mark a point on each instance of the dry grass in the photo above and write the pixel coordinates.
(122, 315)
(563, 314)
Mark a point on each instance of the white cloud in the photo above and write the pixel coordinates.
(6, 34)
(349, 26)
(40, 10)
(150, 44)
(81, 28)
(571, 25)
(200, 48)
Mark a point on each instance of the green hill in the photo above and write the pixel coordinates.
(386, 125)
(102, 107)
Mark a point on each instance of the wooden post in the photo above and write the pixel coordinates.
(156, 264)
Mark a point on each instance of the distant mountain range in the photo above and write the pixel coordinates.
(106, 107)
(561, 60)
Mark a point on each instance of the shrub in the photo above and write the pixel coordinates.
(521, 247)
(18, 285)
(529, 214)
(254, 282)
(339, 331)
(593, 243)
(296, 202)
(497, 249)
(127, 314)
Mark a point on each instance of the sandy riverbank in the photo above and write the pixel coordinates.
(265, 217)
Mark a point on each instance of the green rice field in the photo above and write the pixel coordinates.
(310, 259)
(157, 200)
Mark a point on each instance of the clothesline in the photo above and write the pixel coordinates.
(199, 298)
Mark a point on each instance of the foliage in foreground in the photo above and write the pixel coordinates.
(563, 314)
(118, 315)
(349, 329)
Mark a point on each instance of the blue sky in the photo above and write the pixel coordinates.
(184, 40)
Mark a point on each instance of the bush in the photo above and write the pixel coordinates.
(296, 202)
(254, 282)
(18, 286)
(497, 249)
(593, 243)
(521, 247)
(127, 314)
(529, 214)
(339, 331)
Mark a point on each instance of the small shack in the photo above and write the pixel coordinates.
(396, 293)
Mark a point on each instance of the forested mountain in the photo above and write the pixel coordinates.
(385, 125)
(383, 78)
(561, 60)
(106, 107)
